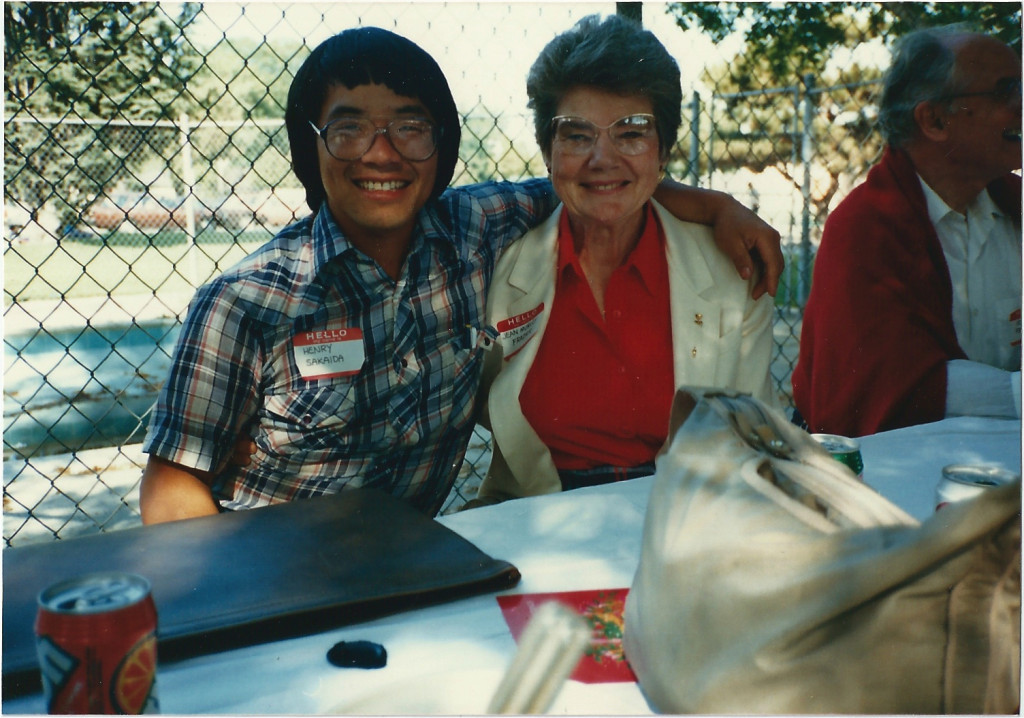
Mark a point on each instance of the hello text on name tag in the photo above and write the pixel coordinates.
(328, 353)
(516, 331)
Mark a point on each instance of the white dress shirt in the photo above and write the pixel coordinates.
(982, 248)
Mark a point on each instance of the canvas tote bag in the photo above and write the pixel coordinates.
(772, 580)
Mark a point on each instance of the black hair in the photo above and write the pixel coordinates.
(362, 56)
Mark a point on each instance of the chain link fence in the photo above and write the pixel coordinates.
(145, 153)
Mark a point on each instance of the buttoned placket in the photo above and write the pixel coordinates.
(404, 336)
(958, 251)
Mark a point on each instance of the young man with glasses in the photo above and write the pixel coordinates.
(915, 309)
(349, 346)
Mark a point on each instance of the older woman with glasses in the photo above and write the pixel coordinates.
(600, 313)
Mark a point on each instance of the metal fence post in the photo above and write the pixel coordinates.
(806, 153)
(711, 139)
(188, 175)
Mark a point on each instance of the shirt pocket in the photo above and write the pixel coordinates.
(451, 376)
(312, 410)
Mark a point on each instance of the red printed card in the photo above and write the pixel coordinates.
(603, 661)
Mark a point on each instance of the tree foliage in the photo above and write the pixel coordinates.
(86, 61)
(99, 60)
(794, 38)
(759, 109)
(242, 78)
(98, 64)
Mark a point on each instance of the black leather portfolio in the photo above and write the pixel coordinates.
(252, 576)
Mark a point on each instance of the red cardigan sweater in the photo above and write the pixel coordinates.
(878, 326)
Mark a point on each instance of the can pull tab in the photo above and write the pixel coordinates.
(93, 597)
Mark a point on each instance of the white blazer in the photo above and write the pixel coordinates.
(720, 338)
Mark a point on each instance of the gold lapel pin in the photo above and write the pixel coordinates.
(698, 319)
(693, 352)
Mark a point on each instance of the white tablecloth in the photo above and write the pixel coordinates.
(905, 465)
(448, 658)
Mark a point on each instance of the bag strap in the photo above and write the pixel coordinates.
(802, 468)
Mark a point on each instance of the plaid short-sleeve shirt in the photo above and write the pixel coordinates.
(345, 377)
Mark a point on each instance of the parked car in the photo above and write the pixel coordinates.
(230, 212)
(139, 211)
(154, 211)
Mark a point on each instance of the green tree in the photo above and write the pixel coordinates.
(757, 111)
(761, 129)
(97, 60)
(246, 78)
(793, 38)
(241, 82)
(94, 62)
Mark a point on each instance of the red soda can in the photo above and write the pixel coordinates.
(96, 641)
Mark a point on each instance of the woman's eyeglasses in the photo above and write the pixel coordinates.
(630, 135)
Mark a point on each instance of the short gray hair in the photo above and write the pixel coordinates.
(616, 55)
(923, 69)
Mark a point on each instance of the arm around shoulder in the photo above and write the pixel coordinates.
(170, 492)
(739, 233)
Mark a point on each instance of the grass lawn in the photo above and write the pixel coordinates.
(124, 264)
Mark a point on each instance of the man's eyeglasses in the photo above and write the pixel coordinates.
(1007, 91)
(349, 138)
(630, 135)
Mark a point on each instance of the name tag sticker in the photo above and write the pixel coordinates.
(328, 353)
(516, 331)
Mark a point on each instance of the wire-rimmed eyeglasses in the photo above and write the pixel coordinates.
(349, 138)
(630, 135)
(1007, 91)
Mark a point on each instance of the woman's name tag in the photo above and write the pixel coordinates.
(516, 331)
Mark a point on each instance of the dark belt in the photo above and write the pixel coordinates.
(578, 478)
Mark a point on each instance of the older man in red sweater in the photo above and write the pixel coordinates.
(915, 309)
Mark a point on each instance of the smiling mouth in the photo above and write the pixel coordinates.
(605, 187)
(377, 186)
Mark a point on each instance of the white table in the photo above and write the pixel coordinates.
(448, 658)
(905, 465)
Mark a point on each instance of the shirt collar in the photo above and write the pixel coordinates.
(646, 258)
(330, 242)
(982, 205)
(937, 207)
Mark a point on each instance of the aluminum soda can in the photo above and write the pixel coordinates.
(96, 641)
(965, 481)
(843, 449)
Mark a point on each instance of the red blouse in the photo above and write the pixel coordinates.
(600, 389)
